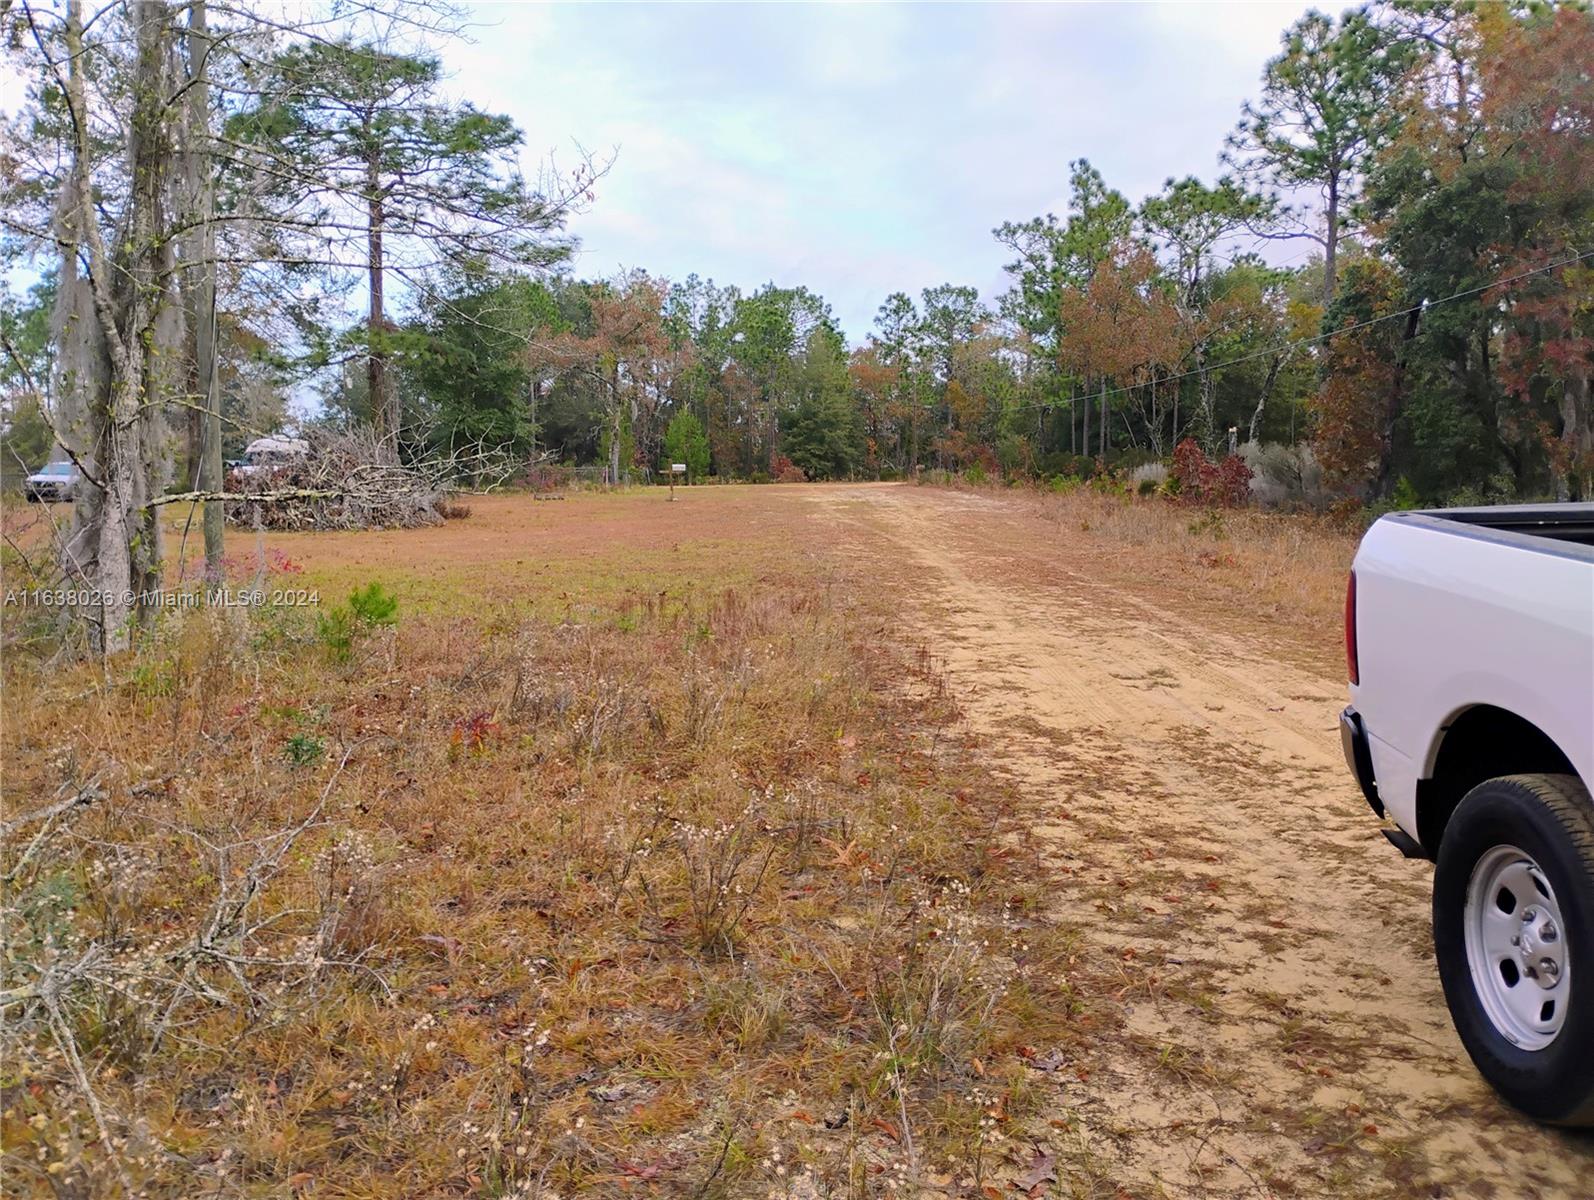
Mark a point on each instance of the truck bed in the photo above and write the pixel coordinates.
(1549, 527)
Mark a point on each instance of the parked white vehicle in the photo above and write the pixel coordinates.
(53, 481)
(269, 453)
(1469, 637)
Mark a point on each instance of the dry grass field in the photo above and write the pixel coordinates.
(635, 857)
(784, 841)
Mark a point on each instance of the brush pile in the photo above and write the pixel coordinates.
(351, 480)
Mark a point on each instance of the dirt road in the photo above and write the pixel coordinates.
(1283, 1030)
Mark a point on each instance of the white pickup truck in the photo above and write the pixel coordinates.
(1469, 638)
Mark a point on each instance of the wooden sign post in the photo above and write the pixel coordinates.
(676, 469)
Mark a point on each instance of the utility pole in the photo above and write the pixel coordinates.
(201, 182)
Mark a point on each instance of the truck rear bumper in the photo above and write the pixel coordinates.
(1359, 756)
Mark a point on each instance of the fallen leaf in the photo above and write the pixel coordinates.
(1052, 1060)
(1041, 1171)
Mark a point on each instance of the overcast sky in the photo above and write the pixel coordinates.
(859, 150)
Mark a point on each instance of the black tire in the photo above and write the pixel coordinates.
(1550, 819)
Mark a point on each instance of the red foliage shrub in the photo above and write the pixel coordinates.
(959, 452)
(783, 470)
(1226, 484)
(1187, 463)
(1233, 483)
(1192, 470)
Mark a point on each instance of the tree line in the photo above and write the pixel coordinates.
(201, 188)
(1429, 168)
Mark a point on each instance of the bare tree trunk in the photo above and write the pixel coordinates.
(1085, 441)
(194, 418)
(382, 396)
(1576, 471)
(536, 400)
(1331, 241)
(614, 427)
(1206, 403)
(114, 372)
(634, 426)
(202, 280)
(1104, 420)
(1273, 369)
(1154, 420)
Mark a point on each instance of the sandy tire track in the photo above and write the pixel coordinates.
(1284, 1032)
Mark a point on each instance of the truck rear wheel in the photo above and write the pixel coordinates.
(1513, 919)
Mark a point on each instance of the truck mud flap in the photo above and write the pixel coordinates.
(1359, 756)
(1404, 842)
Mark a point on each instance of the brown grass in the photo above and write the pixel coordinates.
(1289, 567)
(633, 860)
(1281, 574)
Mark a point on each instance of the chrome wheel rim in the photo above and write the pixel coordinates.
(1517, 948)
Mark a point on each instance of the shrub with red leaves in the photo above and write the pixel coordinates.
(1226, 484)
(471, 733)
(1233, 483)
(1193, 471)
(783, 470)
